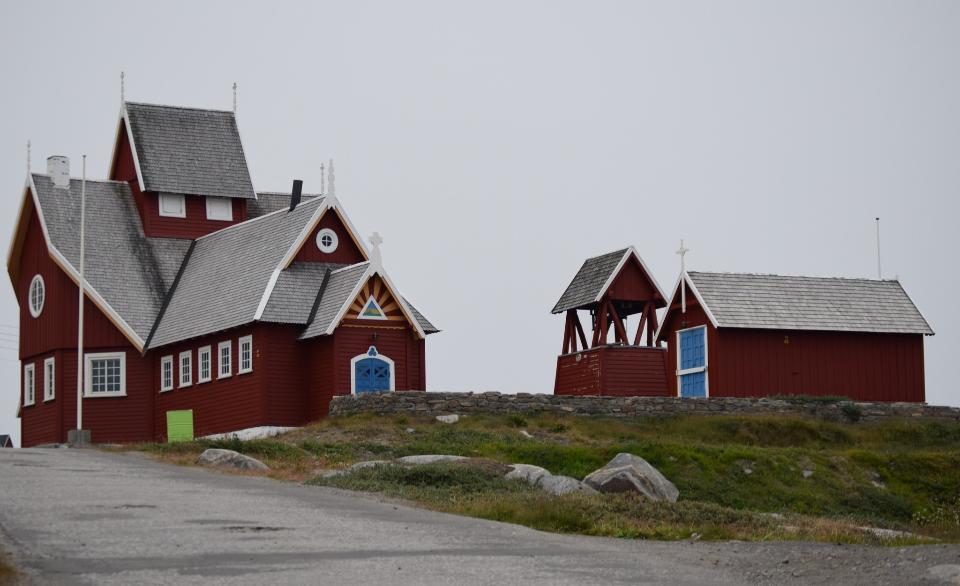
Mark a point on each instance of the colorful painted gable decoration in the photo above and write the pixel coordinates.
(374, 302)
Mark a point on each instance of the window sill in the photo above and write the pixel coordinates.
(50, 399)
(204, 380)
(103, 395)
(27, 405)
(184, 386)
(245, 371)
(224, 376)
(166, 390)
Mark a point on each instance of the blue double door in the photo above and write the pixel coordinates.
(692, 362)
(372, 374)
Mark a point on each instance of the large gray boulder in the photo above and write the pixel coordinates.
(429, 459)
(357, 466)
(629, 473)
(527, 472)
(560, 485)
(230, 459)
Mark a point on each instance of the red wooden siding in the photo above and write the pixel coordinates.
(320, 386)
(194, 225)
(613, 371)
(347, 251)
(862, 366)
(632, 283)
(694, 317)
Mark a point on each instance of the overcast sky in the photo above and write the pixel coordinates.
(497, 145)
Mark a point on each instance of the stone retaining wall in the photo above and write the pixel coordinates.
(495, 403)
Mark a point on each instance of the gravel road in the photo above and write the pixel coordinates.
(84, 516)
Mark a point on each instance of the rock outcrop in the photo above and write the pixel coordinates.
(629, 473)
(230, 459)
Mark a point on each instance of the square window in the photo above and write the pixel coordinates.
(105, 375)
(220, 208)
(173, 205)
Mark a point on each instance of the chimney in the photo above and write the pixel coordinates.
(58, 167)
(295, 195)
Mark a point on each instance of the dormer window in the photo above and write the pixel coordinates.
(173, 205)
(219, 208)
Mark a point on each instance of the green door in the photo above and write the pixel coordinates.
(180, 426)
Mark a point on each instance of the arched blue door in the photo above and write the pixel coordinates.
(371, 373)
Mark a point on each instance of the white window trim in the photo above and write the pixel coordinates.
(220, 348)
(703, 369)
(32, 387)
(49, 379)
(88, 374)
(333, 245)
(35, 312)
(240, 342)
(188, 354)
(359, 357)
(200, 352)
(183, 205)
(166, 360)
(212, 213)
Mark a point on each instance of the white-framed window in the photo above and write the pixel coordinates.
(186, 368)
(224, 368)
(29, 384)
(166, 373)
(327, 240)
(36, 295)
(173, 205)
(219, 208)
(49, 379)
(692, 376)
(246, 354)
(204, 365)
(105, 374)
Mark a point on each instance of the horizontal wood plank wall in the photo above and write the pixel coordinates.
(223, 404)
(862, 366)
(194, 225)
(634, 372)
(321, 383)
(578, 377)
(285, 388)
(346, 253)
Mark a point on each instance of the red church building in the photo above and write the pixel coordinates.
(738, 335)
(250, 309)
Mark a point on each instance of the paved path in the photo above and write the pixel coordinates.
(82, 516)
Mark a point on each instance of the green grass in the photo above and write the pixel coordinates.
(899, 474)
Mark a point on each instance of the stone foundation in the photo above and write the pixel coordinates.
(432, 404)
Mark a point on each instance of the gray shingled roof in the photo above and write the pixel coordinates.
(228, 273)
(295, 292)
(740, 300)
(337, 293)
(271, 201)
(589, 281)
(131, 272)
(425, 325)
(189, 150)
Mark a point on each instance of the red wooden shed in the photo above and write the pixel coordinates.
(611, 287)
(747, 335)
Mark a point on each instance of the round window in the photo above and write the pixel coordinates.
(37, 295)
(327, 240)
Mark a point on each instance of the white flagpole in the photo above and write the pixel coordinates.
(83, 205)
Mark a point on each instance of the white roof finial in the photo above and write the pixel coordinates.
(376, 260)
(234, 98)
(28, 158)
(123, 90)
(323, 178)
(682, 251)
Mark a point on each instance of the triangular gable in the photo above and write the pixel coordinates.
(692, 295)
(599, 273)
(376, 284)
(631, 253)
(31, 202)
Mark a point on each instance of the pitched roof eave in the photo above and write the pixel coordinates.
(631, 251)
(697, 296)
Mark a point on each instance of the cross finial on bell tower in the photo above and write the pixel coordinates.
(28, 158)
(323, 179)
(123, 89)
(331, 180)
(682, 251)
(234, 98)
(375, 256)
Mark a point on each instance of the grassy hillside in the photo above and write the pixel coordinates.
(732, 472)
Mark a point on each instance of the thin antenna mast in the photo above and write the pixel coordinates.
(323, 179)
(682, 251)
(879, 271)
(234, 98)
(83, 202)
(28, 158)
(123, 92)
